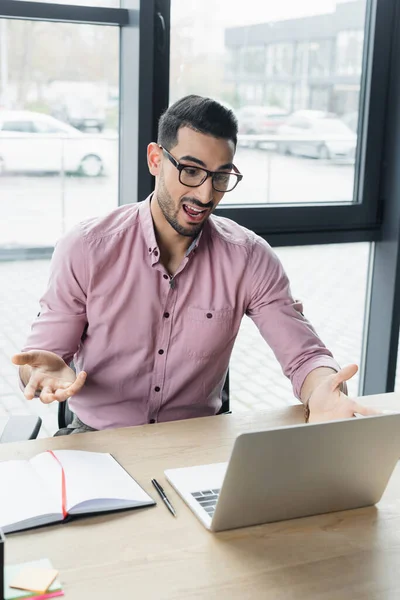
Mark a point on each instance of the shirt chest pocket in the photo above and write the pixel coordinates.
(207, 332)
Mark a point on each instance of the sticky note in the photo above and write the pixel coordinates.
(34, 579)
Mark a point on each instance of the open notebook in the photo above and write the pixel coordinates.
(55, 485)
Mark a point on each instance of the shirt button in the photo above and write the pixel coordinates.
(165, 276)
(161, 352)
(157, 389)
(209, 316)
(149, 249)
(152, 421)
(166, 315)
(155, 252)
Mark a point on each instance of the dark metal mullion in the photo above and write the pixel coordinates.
(146, 95)
(311, 238)
(44, 11)
(154, 80)
(292, 218)
(376, 77)
(379, 360)
(129, 106)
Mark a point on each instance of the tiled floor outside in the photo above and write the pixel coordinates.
(331, 281)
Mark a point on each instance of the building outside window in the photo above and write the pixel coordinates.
(250, 93)
(252, 60)
(320, 58)
(279, 94)
(279, 59)
(349, 50)
(301, 59)
(320, 98)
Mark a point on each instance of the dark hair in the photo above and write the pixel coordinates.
(200, 114)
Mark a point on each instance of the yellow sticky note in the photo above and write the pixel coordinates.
(34, 579)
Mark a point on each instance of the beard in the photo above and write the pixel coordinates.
(171, 213)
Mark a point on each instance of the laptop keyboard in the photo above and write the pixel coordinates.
(207, 499)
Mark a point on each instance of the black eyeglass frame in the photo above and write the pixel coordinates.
(181, 166)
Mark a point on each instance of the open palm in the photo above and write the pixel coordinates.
(50, 376)
(328, 403)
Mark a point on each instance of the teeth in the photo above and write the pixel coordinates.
(198, 210)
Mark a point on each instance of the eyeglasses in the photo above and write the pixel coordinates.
(196, 176)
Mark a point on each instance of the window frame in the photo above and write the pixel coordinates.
(144, 51)
(358, 220)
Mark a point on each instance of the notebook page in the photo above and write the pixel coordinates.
(92, 476)
(49, 472)
(23, 496)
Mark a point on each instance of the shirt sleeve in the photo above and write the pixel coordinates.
(62, 318)
(278, 317)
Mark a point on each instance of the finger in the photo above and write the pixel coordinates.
(61, 395)
(25, 358)
(365, 410)
(343, 375)
(74, 388)
(31, 387)
(47, 395)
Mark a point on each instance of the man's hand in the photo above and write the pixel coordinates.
(328, 403)
(46, 372)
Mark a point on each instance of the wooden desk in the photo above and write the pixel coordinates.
(149, 554)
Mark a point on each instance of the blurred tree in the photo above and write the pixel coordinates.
(40, 52)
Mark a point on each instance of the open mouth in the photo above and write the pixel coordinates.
(195, 213)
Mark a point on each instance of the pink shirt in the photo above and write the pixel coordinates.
(157, 348)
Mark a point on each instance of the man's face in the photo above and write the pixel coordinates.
(187, 208)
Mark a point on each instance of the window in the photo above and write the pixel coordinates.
(349, 50)
(301, 59)
(279, 59)
(256, 379)
(18, 126)
(285, 59)
(252, 60)
(249, 93)
(62, 83)
(46, 127)
(320, 58)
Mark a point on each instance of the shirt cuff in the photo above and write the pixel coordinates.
(312, 364)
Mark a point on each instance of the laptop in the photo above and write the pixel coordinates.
(293, 471)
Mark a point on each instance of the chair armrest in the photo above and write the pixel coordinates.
(20, 428)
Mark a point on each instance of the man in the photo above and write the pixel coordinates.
(148, 300)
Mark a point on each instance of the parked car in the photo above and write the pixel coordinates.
(316, 134)
(351, 120)
(81, 112)
(34, 142)
(260, 119)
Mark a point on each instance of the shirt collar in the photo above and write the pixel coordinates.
(147, 224)
(193, 246)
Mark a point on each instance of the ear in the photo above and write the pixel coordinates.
(154, 158)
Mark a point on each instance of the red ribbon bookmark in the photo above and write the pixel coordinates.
(63, 487)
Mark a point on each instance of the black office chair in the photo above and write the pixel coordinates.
(20, 428)
(225, 406)
(65, 414)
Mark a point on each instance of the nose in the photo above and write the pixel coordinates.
(205, 191)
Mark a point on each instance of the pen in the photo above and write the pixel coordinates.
(163, 496)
